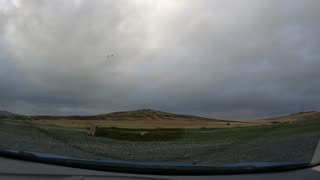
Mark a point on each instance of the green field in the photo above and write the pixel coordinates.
(202, 135)
(156, 126)
(212, 135)
(286, 141)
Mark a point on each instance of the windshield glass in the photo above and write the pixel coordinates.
(214, 82)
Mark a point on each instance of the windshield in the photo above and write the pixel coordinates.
(218, 83)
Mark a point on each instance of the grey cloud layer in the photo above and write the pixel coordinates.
(218, 58)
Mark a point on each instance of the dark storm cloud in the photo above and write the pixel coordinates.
(218, 58)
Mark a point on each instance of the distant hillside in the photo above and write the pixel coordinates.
(7, 114)
(311, 115)
(148, 118)
(143, 114)
(151, 115)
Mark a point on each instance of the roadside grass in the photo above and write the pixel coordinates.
(245, 134)
(143, 134)
(14, 128)
(174, 135)
(211, 135)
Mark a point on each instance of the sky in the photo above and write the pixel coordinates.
(228, 59)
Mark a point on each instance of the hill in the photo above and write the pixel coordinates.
(7, 114)
(143, 114)
(301, 116)
(144, 118)
(148, 118)
(153, 115)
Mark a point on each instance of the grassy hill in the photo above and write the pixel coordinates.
(133, 115)
(8, 114)
(151, 125)
(152, 119)
(145, 118)
(301, 116)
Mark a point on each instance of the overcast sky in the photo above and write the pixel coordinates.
(216, 58)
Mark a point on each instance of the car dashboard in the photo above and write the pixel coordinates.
(14, 169)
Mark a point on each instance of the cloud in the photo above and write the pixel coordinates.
(217, 58)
